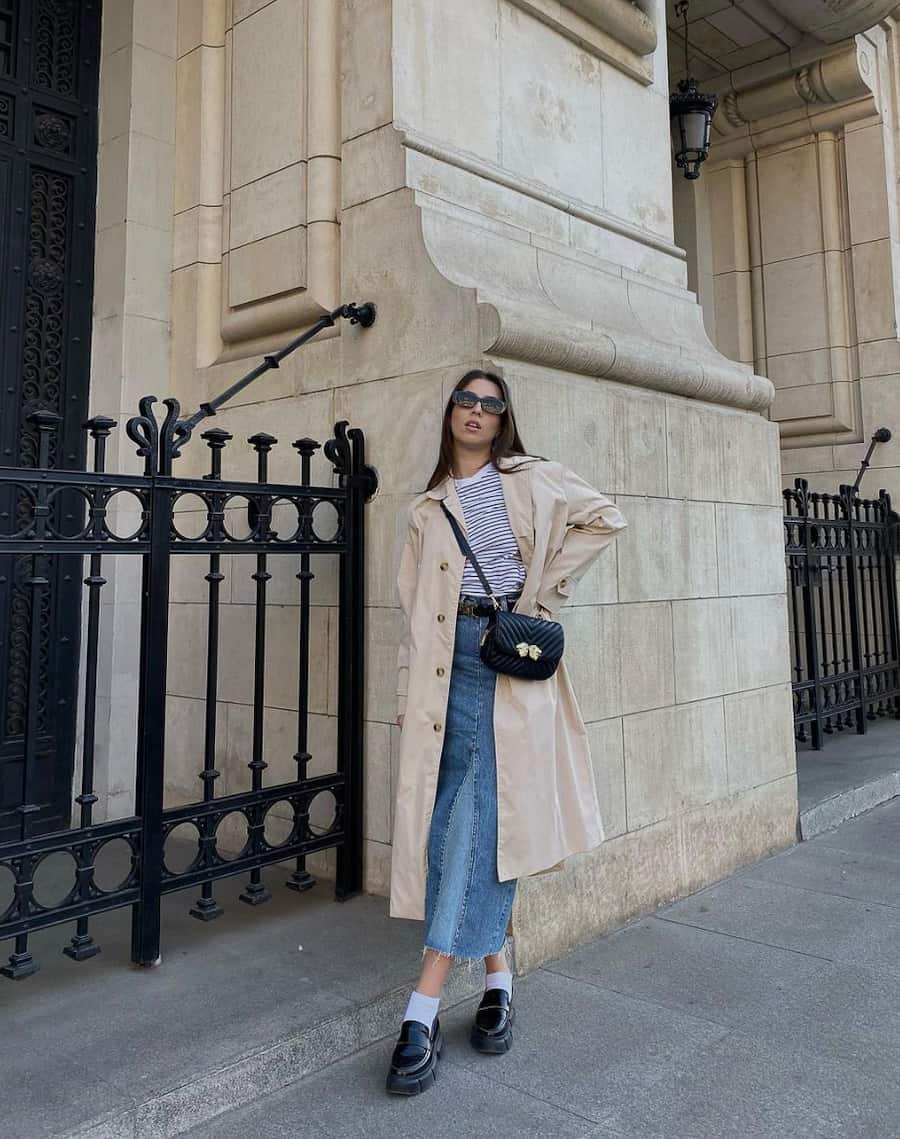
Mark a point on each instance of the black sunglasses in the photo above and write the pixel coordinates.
(489, 403)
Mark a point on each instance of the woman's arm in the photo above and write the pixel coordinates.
(407, 576)
(593, 520)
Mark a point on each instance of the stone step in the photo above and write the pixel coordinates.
(264, 1071)
(847, 804)
(851, 774)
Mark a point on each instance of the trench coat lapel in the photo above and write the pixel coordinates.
(517, 496)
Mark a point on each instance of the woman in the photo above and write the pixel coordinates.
(495, 779)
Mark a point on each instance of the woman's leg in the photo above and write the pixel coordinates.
(435, 968)
(495, 963)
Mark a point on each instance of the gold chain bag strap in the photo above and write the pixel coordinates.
(527, 647)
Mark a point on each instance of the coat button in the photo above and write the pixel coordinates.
(443, 565)
(441, 617)
(563, 581)
(440, 670)
(437, 727)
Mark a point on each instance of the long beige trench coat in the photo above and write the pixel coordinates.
(547, 802)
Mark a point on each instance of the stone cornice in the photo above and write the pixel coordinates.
(512, 331)
(562, 309)
(835, 79)
(822, 94)
(490, 171)
(621, 19)
(616, 31)
(833, 20)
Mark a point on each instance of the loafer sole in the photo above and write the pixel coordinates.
(493, 1043)
(416, 1082)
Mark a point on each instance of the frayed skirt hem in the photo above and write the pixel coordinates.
(462, 957)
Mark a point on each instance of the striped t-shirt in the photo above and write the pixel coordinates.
(489, 534)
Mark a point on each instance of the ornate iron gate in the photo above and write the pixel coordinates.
(842, 603)
(49, 64)
(73, 516)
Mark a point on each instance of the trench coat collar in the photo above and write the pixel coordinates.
(516, 493)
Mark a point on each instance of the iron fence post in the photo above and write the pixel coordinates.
(145, 928)
(847, 500)
(809, 618)
(361, 482)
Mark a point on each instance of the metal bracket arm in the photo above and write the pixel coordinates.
(363, 315)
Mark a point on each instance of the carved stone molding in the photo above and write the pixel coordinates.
(491, 172)
(625, 22)
(832, 20)
(616, 31)
(835, 79)
(567, 312)
(514, 332)
(822, 94)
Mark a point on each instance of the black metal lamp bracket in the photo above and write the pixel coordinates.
(363, 315)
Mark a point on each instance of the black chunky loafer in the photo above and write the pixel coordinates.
(415, 1057)
(492, 1030)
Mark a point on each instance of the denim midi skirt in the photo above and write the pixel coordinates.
(467, 908)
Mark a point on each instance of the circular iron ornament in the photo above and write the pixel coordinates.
(238, 516)
(190, 855)
(57, 885)
(286, 520)
(112, 506)
(274, 824)
(232, 850)
(52, 131)
(46, 276)
(207, 508)
(55, 502)
(316, 524)
(105, 879)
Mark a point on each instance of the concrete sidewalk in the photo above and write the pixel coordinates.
(767, 1005)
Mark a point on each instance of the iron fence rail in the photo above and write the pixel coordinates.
(841, 553)
(50, 514)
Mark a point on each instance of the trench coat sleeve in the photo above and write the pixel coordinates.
(407, 576)
(593, 520)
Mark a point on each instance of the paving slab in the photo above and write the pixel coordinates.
(348, 1100)
(876, 832)
(580, 1047)
(701, 972)
(743, 1087)
(824, 925)
(849, 1014)
(828, 869)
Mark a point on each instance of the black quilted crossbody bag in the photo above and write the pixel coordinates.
(527, 647)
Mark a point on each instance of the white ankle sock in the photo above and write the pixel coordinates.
(422, 1008)
(499, 980)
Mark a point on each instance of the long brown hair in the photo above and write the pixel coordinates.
(505, 443)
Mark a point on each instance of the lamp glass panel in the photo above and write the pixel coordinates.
(696, 125)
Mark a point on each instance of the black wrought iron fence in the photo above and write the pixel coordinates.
(841, 553)
(47, 514)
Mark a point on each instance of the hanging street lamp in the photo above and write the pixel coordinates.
(691, 113)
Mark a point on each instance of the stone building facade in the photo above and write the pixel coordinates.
(496, 176)
(792, 234)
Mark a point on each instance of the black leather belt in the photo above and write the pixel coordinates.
(481, 607)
